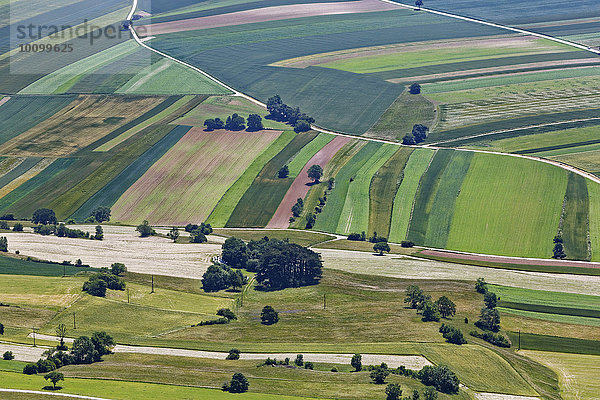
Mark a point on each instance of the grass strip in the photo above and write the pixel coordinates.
(307, 152)
(19, 266)
(19, 170)
(575, 218)
(558, 344)
(539, 308)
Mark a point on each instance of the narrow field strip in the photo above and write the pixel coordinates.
(594, 218)
(383, 189)
(329, 219)
(302, 183)
(110, 193)
(7, 164)
(355, 213)
(403, 201)
(428, 189)
(129, 133)
(575, 218)
(299, 161)
(29, 174)
(21, 168)
(442, 210)
(224, 208)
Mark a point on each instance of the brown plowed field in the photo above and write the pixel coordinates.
(509, 260)
(269, 14)
(300, 186)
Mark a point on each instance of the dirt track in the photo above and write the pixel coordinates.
(266, 14)
(300, 186)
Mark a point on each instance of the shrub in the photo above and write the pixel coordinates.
(198, 237)
(8, 355)
(379, 373)
(45, 366)
(269, 316)
(415, 88)
(220, 321)
(489, 320)
(407, 243)
(430, 394)
(44, 216)
(234, 354)
(495, 339)
(299, 361)
(8, 217)
(440, 377)
(302, 126)
(18, 227)
(359, 237)
(356, 362)
(101, 214)
(481, 286)
(227, 313)
(334, 369)
(117, 268)
(145, 229)
(95, 287)
(452, 334)
(239, 383)
(283, 172)
(3, 244)
(4, 225)
(30, 369)
(309, 365)
(393, 391)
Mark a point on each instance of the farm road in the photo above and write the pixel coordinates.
(67, 395)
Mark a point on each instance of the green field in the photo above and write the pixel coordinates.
(307, 152)
(224, 208)
(403, 202)
(530, 341)
(303, 238)
(383, 188)
(426, 194)
(355, 213)
(594, 224)
(575, 218)
(506, 197)
(552, 314)
(260, 201)
(328, 220)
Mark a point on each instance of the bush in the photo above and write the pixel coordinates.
(393, 391)
(356, 362)
(145, 229)
(359, 237)
(4, 225)
(309, 365)
(198, 237)
(234, 354)
(18, 227)
(269, 316)
(95, 287)
(45, 366)
(452, 334)
(379, 373)
(117, 268)
(299, 361)
(495, 339)
(101, 214)
(8, 355)
(283, 172)
(3, 244)
(45, 230)
(239, 383)
(415, 88)
(220, 321)
(302, 126)
(407, 243)
(489, 320)
(334, 369)
(30, 369)
(440, 377)
(409, 140)
(481, 286)
(227, 313)
(8, 217)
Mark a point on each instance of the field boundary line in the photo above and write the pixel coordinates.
(77, 396)
(496, 25)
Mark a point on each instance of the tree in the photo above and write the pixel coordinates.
(30, 369)
(301, 126)
(198, 237)
(356, 362)
(379, 373)
(83, 350)
(255, 123)
(61, 332)
(234, 354)
(299, 361)
(446, 307)
(236, 279)
(419, 132)
(315, 172)
(18, 227)
(117, 268)
(415, 88)
(234, 252)
(283, 172)
(481, 286)
(430, 394)
(275, 106)
(213, 124)
(393, 391)
(145, 229)
(452, 334)
(239, 383)
(310, 220)
(173, 234)
(269, 316)
(103, 343)
(101, 214)
(227, 313)
(95, 287)
(414, 296)
(559, 252)
(440, 377)
(44, 216)
(409, 140)
(381, 247)
(99, 233)
(8, 355)
(235, 123)
(54, 377)
(215, 278)
(489, 320)
(430, 312)
(490, 299)
(1, 329)
(3, 244)
(415, 395)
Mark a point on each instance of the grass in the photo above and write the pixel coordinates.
(587, 161)
(383, 188)
(575, 218)
(12, 366)
(17, 266)
(403, 202)
(530, 341)
(399, 119)
(328, 220)
(189, 180)
(260, 201)
(594, 221)
(307, 152)
(560, 315)
(577, 374)
(486, 219)
(442, 208)
(227, 203)
(428, 188)
(303, 238)
(546, 298)
(19, 170)
(355, 213)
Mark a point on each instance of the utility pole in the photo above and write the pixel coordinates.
(152, 284)
(519, 339)
(127, 295)
(74, 325)
(64, 271)
(33, 331)
(324, 302)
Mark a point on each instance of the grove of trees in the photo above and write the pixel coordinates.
(279, 111)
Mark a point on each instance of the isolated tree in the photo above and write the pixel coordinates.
(414, 296)
(8, 355)
(415, 88)
(419, 132)
(430, 312)
(315, 172)
(101, 214)
(409, 140)
(356, 362)
(117, 268)
(1, 329)
(54, 377)
(215, 278)
(61, 332)
(44, 216)
(234, 354)
(446, 307)
(283, 172)
(559, 252)
(481, 286)
(3, 244)
(393, 391)
(379, 373)
(99, 233)
(173, 234)
(380, 247)
(145, 229)
(310, 220)
(235, 123)
(301, 126)
(490, 299)
(255, 123)
(269, 316)
(489, 320)
(239, 383)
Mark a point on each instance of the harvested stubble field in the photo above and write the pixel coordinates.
(153, 255)
(188, 181)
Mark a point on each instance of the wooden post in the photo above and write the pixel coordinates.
(519, 339)
(64, 271)
(127, 295)
(152, 284)
(74, 324)
(33, 330)
(324, 302)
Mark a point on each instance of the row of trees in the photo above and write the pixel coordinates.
(489, 317)
(98, 283)
(235, 122)
(431, 311)
(46, 216)
(279, 111)
(278, 264)
(418, 135)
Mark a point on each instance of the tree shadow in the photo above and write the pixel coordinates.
(52, 388)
